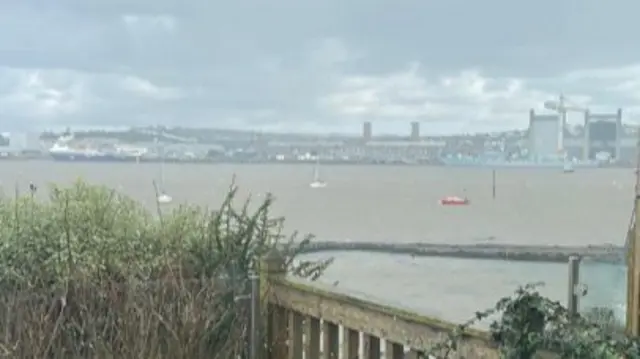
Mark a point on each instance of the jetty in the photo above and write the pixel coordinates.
(511, 252)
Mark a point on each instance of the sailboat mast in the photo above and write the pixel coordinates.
(162, 172)
(162, 167)
(316, 169)
(160, 151)
(562, 119)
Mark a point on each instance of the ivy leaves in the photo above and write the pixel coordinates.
(531, 325)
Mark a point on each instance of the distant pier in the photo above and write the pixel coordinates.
(510, 252)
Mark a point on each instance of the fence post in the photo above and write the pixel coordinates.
(574, 282)
(272, 268)
(252, 337)
(255, 327)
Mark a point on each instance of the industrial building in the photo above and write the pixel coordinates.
(601, 134)
(18, 143)
(543, 136)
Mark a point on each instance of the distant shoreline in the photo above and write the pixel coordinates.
(215, 162)
(308, 163)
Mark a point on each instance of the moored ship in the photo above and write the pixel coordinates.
(63, 151)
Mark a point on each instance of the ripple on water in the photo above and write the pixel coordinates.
(454, 289)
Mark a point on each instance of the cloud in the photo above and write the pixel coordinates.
(30, 94)
(469, 100)
(322, 67)
(322, 92)
(57, 98)
(145, 88)
(148, 23)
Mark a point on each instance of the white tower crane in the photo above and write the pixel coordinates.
(560, 106)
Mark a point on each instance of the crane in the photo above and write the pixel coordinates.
(562, 108)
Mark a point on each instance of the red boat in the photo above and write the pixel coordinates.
(454, 201)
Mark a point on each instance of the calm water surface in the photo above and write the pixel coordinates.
(400, 204)
(455, 289)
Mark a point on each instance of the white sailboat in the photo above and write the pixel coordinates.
(163, 196)
(567, 166)
(317, 182)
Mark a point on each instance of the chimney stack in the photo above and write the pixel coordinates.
(415, 131)
(366, 131)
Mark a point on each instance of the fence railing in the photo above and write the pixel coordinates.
(314, 321)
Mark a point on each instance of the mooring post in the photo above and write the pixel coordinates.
(493, 183)
(574, 286)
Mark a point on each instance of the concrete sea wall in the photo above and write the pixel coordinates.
(551, 254)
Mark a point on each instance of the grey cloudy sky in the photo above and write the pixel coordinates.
(312, 66)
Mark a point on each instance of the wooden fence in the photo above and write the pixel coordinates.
(307, 320)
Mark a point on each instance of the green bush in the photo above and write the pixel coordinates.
(529, 324)
(604, 318)
(92, 273)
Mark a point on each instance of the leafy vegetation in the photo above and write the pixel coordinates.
(90, 273)
(529, 324)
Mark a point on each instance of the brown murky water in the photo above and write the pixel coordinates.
(386, 203)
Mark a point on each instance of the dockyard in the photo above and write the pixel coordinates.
(521, 147)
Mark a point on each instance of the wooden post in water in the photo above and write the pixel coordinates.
(493, 183)
(633, 261)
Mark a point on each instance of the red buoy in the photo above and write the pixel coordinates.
(454, 201)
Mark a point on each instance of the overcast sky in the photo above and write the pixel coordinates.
(455, 65)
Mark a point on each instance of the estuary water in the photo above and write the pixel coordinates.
(400, 204)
